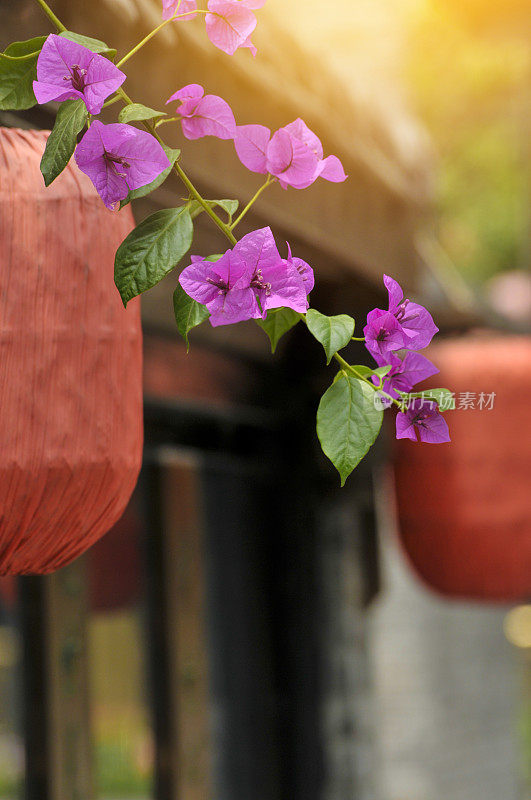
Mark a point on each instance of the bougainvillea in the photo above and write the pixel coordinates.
(422, 417)
(203, 115)
(251, 280)
(118, 158)
(294, 154)
(68, 70)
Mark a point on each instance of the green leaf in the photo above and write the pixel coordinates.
(338, 375)
(215, 257)
(136, 112)
(361, 369)
(348, 423)
(382, 371)
(444, 398)
(366, 372)
(152, 250)
(26, 48)
(188, 313)
(95, 45)
(334, 333)
(229, 206)
(142, 191)
(17, 73)
(278, 322)
(71, 118)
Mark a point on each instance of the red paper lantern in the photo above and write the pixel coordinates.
(70, 356)
(465, 507)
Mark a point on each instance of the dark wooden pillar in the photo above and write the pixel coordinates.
(55, 678)
(178, 644)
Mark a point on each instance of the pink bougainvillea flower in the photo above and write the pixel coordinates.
(405, 372)
(415, 321)
(251, 142)
(203, 115)
(405, 325)
(294, 154)
(295, 157)
(277, 282)
(223, 286)
(66, 70)
(248, 280)
(118, 158)
(422, 417)
(383, 334)
(230, 23)
(304, 270)
(171, 7)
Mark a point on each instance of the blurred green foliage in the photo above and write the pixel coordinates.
(472, 87)
(117, 775)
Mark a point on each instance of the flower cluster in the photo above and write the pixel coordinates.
(249, 280)
(119, 158)
(294, 154)
(229, 23)
(392, 336)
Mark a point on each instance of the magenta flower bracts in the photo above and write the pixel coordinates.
(223, 287)
(418, 327)
(251, 143)
(383, 334)
(248, 280)
(294, 154)
(118, 158)
(277, 282)
(422, 419)
(203, 115)
(304, 270)
(405, 372)
(179, 7)
(405, 325)
(230, 23)
(67, 70)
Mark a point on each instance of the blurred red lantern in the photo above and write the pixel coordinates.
(70, 381)
(465, 507)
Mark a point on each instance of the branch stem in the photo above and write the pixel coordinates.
(185, 179)
(153, 33)
(111, 101)
(144, 41)
(51, 16)
(165, 120)
(269, 180)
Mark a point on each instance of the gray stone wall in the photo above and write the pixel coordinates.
(447, 690)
